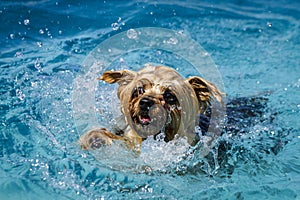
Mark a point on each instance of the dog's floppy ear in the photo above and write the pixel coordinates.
(205, 91)
(121, 77)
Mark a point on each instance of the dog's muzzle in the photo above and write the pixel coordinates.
(144, 105)
(152, 117)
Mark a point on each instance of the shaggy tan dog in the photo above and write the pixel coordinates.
(155, 100)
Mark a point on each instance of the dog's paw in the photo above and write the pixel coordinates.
(96, 138)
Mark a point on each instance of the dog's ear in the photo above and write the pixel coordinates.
(205, 91)
(122, 77)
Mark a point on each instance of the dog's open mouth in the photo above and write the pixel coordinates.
(144, 119)
(149, 120)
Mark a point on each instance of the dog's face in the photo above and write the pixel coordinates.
(157, 99)
(154, 105)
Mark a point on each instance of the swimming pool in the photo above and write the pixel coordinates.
(44, 49)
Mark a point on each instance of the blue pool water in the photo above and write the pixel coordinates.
(44, 49)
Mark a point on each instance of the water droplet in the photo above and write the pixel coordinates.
(26, 22)
(269, 24)
(60, 32)
(33, 84)
(12, 36)
(180, 32)
(118, 25)
(38, 65)
(115, 26)
(132, 34)
(20, 94)
(41, 31)
(49, 34)
(40, 44)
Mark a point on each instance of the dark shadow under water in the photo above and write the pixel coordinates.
(239, 142)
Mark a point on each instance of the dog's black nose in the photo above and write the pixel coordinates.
(146, 103)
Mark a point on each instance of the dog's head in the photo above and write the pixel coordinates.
(157, 99)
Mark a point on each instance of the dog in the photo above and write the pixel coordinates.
(155, 100)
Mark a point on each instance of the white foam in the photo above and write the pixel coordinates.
(155, 155)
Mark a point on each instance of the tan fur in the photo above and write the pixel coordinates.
(176, 103)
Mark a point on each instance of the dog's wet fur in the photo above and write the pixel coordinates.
(155, 100)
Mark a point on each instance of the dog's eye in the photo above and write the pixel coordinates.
(138, 91)
(169, 97)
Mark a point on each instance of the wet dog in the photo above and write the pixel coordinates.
(155, 100)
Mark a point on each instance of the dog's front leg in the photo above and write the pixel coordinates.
(96, 138)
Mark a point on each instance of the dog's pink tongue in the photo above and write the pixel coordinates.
(145, 119)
